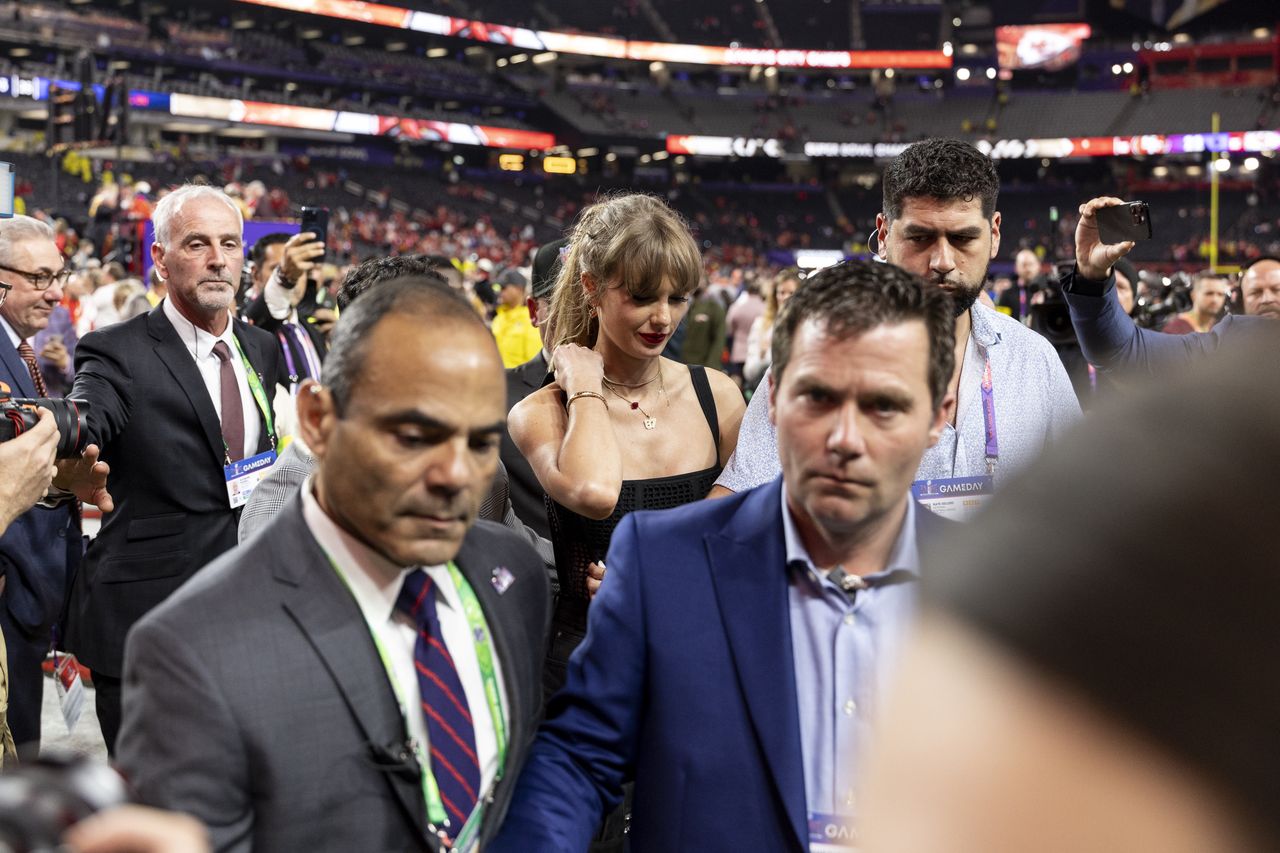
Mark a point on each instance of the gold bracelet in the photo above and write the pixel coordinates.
(580, 394)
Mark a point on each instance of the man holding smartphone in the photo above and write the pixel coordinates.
(1108, 337)
(302, 341)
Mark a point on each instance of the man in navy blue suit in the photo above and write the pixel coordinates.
(40, 551)
(737, 648)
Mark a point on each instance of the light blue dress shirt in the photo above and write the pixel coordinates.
(846, 649)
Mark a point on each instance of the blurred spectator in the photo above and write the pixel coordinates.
(760, 340)
(517, 337)
(1209, 293)
(704, 336)
(1016, 300)
(743, 313)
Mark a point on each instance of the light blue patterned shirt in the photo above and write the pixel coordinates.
(845, 650)
(1034, 401)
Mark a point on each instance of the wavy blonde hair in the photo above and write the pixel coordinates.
(629, 240)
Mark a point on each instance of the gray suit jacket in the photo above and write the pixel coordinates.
(255, 699)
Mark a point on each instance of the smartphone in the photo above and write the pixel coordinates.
(1129, 221)
(316, 220)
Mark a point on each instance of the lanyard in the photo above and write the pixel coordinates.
(288, 357)
(989, 416)
(484, 658)
(259, 394)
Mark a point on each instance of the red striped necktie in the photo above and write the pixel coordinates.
(444, 704)
(28, 355)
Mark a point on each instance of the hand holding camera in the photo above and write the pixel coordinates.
(27, 463)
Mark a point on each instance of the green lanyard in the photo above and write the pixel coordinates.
(484, 658)
(259, 393)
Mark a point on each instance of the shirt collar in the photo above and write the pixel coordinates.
(373, 579)
(13, 336)
(980, 326)
(905, 555)
(198, 341)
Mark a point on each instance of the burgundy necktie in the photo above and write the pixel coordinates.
(232, 407)
(29, 356)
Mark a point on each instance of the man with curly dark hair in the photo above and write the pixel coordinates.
(939, 221)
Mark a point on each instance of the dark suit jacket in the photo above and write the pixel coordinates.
(40, 551)
(526, 492)
(158, 429)
(256, 313)
(255, 698)
(686, 679)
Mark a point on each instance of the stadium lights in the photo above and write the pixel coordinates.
(947, 49)
(1160, 172)
(969, 49)
(645, 158)
(661, 155)
(243, 23)
(1194, 171)
(991, 74)
(1261, 33)
(519, 57)
(955, 22)
(888, 73)
(310, 34)
(588, 152)
(1128, 68)
(1222, 164)
(1251, 164)
(1181, 38)
(680, 160)
(1116, 69)
(437, 52)
(396, 46)
(656, 67)
(353, 40)
(544, 58)
(19, 51)
(501, 63)
(610, 157)
(962, 74)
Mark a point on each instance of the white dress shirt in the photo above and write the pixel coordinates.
(200, 344)
(375, 584)
(13, 336)
(279, 302)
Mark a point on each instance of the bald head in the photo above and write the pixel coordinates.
(1260, 288)
(1027, 264)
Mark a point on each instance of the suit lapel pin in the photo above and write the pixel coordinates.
(502, 579)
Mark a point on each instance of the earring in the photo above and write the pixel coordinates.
(591, 312)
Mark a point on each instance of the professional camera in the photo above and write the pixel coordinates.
(1165, 298)
(1049, 314)
(71, 417)
(39, 801)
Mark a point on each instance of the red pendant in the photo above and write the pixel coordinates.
(635, 406)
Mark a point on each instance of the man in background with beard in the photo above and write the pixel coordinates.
(940, 222)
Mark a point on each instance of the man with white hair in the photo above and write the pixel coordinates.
(180, 402)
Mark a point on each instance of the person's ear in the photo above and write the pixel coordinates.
(995, 234)
(317, 416)
(941, 418)
(532, 305)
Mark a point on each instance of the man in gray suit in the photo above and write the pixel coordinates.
(308, 691)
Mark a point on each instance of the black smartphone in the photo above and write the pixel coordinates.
(1129, 221)
(316, 220)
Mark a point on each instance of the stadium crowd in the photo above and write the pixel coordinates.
(424, 532)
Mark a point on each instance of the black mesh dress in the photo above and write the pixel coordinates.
(579, 540)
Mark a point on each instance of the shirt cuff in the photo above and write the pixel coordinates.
(1078, 285)
(276, 295)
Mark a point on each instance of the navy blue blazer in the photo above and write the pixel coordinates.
(686, 681)
(41, 549)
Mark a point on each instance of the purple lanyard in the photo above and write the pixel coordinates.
(989, 417)
(1022, 302)
(288, 357)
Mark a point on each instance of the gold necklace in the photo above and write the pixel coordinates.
(650, 422)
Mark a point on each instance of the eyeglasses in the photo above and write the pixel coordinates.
(41, 280)
(4, 291)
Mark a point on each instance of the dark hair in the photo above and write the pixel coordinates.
(1205, 275)
(944, 169)
(378, 270)
(424, 297)
(855, 297)
(258, 253)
